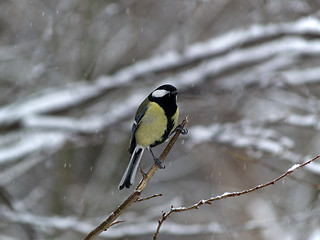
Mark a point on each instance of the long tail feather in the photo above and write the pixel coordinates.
(130, 173)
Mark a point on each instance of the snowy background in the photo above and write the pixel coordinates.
(72, 74)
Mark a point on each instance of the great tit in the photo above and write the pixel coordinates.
(155, 120)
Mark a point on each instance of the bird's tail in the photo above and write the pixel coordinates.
(130, 173)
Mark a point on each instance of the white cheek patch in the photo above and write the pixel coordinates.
(159, 93)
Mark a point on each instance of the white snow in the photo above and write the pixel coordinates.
(246, 136)
(294, 167)
(256, 32)
(47, 101)
(242, 135)
(225, 194)
(91, 124)
(302, 120)
(302, 76)
(200, 134)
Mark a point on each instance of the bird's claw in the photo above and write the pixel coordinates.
(183, 130)
(159, 163)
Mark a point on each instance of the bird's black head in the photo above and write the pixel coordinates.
(165, 96)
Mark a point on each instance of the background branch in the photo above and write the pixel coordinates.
(137, 192)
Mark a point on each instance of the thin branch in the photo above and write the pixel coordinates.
(150, 197)
(227, 195)
(137, 192)
(114, 223)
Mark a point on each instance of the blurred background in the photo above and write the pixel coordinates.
(72, 74)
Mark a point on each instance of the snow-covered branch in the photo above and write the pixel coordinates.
(210, 201)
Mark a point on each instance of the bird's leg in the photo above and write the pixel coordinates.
(156, 160)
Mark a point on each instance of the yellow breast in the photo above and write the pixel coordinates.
(152, 126)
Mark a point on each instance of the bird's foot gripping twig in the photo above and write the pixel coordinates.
(156, 160)
(183, 130)
(159, 163)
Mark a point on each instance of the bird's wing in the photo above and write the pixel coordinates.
(139, 115)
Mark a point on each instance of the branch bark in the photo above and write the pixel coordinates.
(137, 192)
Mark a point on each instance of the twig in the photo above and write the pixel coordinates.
(114, 223)
(147, 198)
(137, 192)
(227, 195)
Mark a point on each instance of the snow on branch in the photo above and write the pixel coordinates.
(90, 124)
(52, 100)
(242, 135)
(255, 33)
(29, 144)
(308, 120)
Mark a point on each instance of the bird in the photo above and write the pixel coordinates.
(155, 121)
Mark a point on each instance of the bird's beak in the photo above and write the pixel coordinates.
(175, 93)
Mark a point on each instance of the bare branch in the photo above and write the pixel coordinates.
(150, 197)
(137, 192)
(114, 223)
(227, 195)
